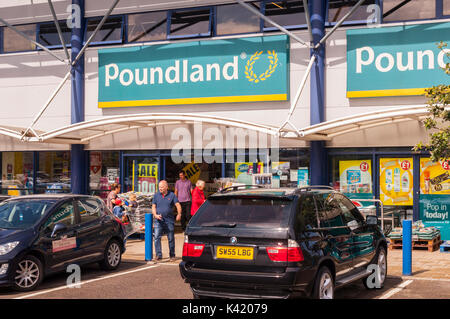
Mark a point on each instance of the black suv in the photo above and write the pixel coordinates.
(43, 234)
(281, 243)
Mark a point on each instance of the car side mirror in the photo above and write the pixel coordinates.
(353, 225)
(372, 220)
(59, 227)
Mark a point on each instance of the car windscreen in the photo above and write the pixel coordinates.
(21, 214)
(243, 212)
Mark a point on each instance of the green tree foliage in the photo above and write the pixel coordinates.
(438, 122)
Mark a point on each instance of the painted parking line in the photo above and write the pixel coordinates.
(428, 279)
(86, 282)
(395, 290)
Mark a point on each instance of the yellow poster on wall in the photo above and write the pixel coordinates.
(355, 176)
(396, 181)
(434, 177)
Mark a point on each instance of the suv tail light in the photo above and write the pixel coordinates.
(292, 253)
(192, 250)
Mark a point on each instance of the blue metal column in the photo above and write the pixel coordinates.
(148, 236)
(318, 158)
(79, 160)
(407, 247)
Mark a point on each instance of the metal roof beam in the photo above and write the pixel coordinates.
(308, 21)
(356, 6)
(95, 32)
(58, 28)
(299, 92)
(268, 20)
(38, 116)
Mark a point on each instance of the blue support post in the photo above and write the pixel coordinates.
(407, 247)
(318, 160)
(79, 159)
(148, 237)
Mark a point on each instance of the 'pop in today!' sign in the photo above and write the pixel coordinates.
(216, 71)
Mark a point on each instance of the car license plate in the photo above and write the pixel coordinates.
(233, 252)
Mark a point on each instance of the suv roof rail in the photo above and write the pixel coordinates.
(307, 188)
(237, 187)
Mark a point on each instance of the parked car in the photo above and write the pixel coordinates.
(280, 243)
(43, 234)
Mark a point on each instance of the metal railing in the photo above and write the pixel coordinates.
(381, 208)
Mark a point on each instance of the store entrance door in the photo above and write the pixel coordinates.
(142, 173)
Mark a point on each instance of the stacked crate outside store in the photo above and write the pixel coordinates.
(422, 237)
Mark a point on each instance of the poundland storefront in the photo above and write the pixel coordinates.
(252, 105)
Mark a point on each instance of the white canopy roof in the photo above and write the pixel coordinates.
(82, 133)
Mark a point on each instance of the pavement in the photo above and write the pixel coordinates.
(136, 249)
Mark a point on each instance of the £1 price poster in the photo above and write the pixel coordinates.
(396, 181)
(355, 176)
(434, 177)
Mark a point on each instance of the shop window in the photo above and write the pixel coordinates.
(402, 10)
(435, 195)
(190, 23)
(339, 8)
(446, 8)
(110, 32)
(53, 174)
(142, 174)
(48, 34)
(233, 19)
(17, 173)
(149, 26)
(292, 170)
(352, 176)
(104, 171)
(246, 167)
(13, 42)
(289, 14)
(207, 172)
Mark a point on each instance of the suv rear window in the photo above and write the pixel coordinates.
(243, 212)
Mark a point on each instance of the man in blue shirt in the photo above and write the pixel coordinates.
(162, 207)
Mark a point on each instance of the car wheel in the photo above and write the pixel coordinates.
(28, 274)
(112, 256)
(324, 284)
(381, 263)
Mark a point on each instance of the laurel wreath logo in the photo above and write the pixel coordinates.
(251, 76)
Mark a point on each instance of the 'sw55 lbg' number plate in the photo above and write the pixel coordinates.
(233, 252)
